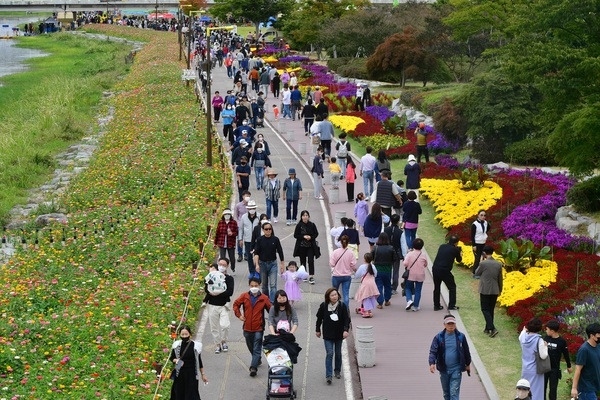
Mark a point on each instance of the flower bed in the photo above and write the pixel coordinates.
(91, 317)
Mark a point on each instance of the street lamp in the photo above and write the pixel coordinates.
(156, 15)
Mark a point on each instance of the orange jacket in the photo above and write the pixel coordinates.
(255, 318)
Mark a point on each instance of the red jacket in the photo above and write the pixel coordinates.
(221, 233)
(255, 318)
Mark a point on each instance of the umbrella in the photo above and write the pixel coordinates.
(205, 18)
(161, 15)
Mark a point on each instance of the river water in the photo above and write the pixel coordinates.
(12, 57)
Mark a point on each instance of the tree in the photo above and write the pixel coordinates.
(256, 11)
(404, 54)
(575, 140)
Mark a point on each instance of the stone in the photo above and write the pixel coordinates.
(568, 224)
(46, 219)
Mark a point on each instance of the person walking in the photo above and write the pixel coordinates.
(343, 149)
(266, 250)
(412, 170)
(282, 315)
(292, 193)
(185, 356)
(367, 293)
(410, 218)
(532, 343)
(387, 193)
(250, 308)
(350, 179)
(343, 265)
(306, 233)
(366, 168)
(382, 165)
(442, 272)
(333, 324)
(217, 104)
(479, 234)
(218, 309)
(394, 232)
(326, 133)
(557, 348)
(449, 354)
(384, 257)
(247, 223)
(490, 287)
(308, 113)
(416, 264)
(272, 187)
(317, 172)
(227, 231)
(586, 381)
(373, 224)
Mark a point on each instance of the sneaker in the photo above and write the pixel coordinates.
(487, 331)
(218, 350)
(225, 347)
(320, 198)
(409, 305)
(454, 308)
(388, 303)
(416, 308)
(329, 380)
(394, 292)
(305, 280)
(493, 332)
(239, 259)
(288, 222)
(311, 280)
(274, 220)
(437, 308)
(337, 375)
(233, 272)
(294, 221)
(253, 371)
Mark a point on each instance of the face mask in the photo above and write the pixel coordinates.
(254, 290)
(243, 163)
(222, 269)
(522, 393)
(246, 198)
(245, 123)
(229, 107)
(185, 339)
(260, 150)
(280, 304)
(260, 139)
(227, 217)
(251, 212)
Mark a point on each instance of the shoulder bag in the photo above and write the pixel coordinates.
(407, 270)
(542, 365)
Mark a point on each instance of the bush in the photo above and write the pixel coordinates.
(336, 63)
(451, 121)
(585, 196)
(355, 68)
(531, 151)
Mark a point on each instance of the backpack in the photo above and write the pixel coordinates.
(343, 150)
(215, 283)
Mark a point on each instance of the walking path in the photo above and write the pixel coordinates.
(402, 338)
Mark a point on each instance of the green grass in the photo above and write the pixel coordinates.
(50, 106)
(502, 354)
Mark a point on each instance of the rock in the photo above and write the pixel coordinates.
(577, 224)
(594, 231)
(46, 219)
(568, 224)
(500, 164)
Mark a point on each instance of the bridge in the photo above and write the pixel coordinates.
(90, 5)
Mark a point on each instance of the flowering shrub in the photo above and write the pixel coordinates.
(347, 123)
(580, 316)
(453, 206)
(294, 59)
(518, 286)
(380, 112)
(382, 142)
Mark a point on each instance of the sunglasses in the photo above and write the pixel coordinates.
(268, 229)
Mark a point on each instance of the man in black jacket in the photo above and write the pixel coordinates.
(442, 272)
(219, 308)
(395, 234)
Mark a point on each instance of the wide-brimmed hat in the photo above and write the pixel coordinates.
(226, 211)
(411, 158)
(271, 171)
(251, 204)
(292, 171)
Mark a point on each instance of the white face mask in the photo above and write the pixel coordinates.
(245, 123)
(227, 217)
(254, 290)
(260, 139)
(222, 269)
(246, 199)
(251, 212)
(522, 393)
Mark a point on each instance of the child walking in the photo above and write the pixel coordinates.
(350, 179)
(292, 277)
(367, 293)
(336, 171)
(361, 210)
(276, 112)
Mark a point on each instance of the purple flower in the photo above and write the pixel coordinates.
(294, 59)
(442, 145)
(380, 112)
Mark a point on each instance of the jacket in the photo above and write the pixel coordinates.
(272, 192)
(385, 193)
(384, 257)
(304, 229)
(438, 349)
(411, 209)
(221, 235)
(372, 226)
(490, 271)
(223, 298)
(255, 318)
(479, 232)
(291, 190)
(246, 227)
(412, 170)
(333, 330)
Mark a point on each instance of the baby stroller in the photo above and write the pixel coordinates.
(260, 121)
(280, 380)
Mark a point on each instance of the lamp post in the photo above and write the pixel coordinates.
(156, 15)
(179, 15)
(208, 103)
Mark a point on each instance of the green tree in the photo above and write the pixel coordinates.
(256, 11)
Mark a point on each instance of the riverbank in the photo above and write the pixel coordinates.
(51, 106)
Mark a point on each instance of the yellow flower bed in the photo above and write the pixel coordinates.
(468, 257)
(455, 206)
(269, 59)
(519, 287)
(347, 123)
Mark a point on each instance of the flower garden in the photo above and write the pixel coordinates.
(88, 310)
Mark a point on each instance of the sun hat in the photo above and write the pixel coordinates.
(292, 171)
(523, 384)
(243, 143)
(411, 158)
(271, 171)
(449, 320)
(251, 204)
(226, 211)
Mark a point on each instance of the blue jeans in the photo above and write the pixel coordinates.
(410, 235)
(451, 384)
(384, 285)
(249, 257)
(368, 182)
(259, 172)
(275, 205)
(291, 209)
(587, 396)
(254, 344)
(287, 111)
(414, 287)
(268, 277)
(342, 162)
(345, 281)
(330, 347)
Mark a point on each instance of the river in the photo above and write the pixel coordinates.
(13, 57)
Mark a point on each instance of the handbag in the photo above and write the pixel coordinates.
(407, 270)
(542, 365)
(317, 249)
(316, 140)
(175, 371)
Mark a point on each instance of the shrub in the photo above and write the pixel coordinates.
(450, 120)
(354, 68)
(585, 196)
(531, 151)
(336, 63)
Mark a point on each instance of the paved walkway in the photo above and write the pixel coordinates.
(402, 338)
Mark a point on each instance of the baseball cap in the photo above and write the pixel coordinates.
(450, 320)
(523, 384)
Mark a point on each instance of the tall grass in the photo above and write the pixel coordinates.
(47, 108)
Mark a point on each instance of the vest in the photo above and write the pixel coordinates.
(385, 197)
(480, 232)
